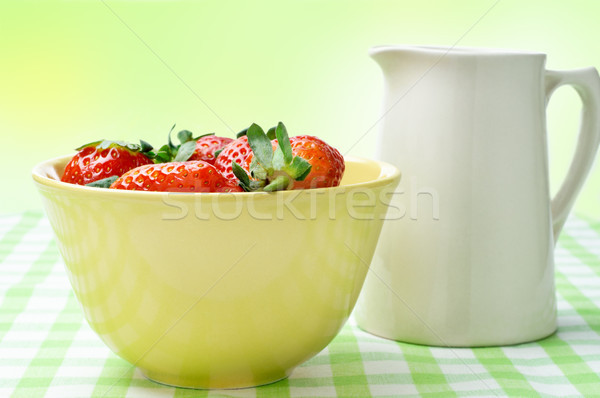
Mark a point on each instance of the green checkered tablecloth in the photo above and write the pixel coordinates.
(47, 349)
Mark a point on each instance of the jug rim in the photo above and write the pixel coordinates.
(453, 50)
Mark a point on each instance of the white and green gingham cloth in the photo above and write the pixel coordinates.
(48, 350)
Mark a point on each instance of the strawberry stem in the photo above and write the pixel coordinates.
(274, 170)
(280, 183)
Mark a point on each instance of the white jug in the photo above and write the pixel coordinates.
(471, 262)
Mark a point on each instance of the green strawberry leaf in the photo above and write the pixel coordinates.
(218, 152)
(257, 170)
(242, 133)
(131, 147)
(185, 151)
(303, 176)
(298, 169)
(103, 183)
(278, 159)
(163, 154)
(261, 146)
(95, 143)
(241, 175)
(185, 136)
(284, 143)
(145, 146)
(271, 133)
(170, 143)
(104, 144)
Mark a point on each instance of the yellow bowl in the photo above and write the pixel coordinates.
(211, 290)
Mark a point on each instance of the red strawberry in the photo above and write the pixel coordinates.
(207, 146)
(191, 176)
(103, 159)
(297, 163)
(237, 151)
(327, 162)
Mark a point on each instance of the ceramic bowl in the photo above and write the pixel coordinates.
(218, 290)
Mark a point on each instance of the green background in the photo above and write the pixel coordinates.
(75, 71)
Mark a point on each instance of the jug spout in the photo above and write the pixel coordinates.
(383, 55)
(392, 59)
(406, 64)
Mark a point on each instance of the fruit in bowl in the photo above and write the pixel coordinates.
(256, 161)
(218, 290)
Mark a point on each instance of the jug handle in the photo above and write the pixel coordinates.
(587, 84)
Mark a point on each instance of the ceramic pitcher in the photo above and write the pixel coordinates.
(466, 255)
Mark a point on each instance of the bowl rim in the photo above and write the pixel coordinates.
(388, 173)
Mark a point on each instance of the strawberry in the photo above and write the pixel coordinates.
(327, 162)
(297, 163)
(191, 176)
(206, 147)
(235, 151)
(103, 159)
